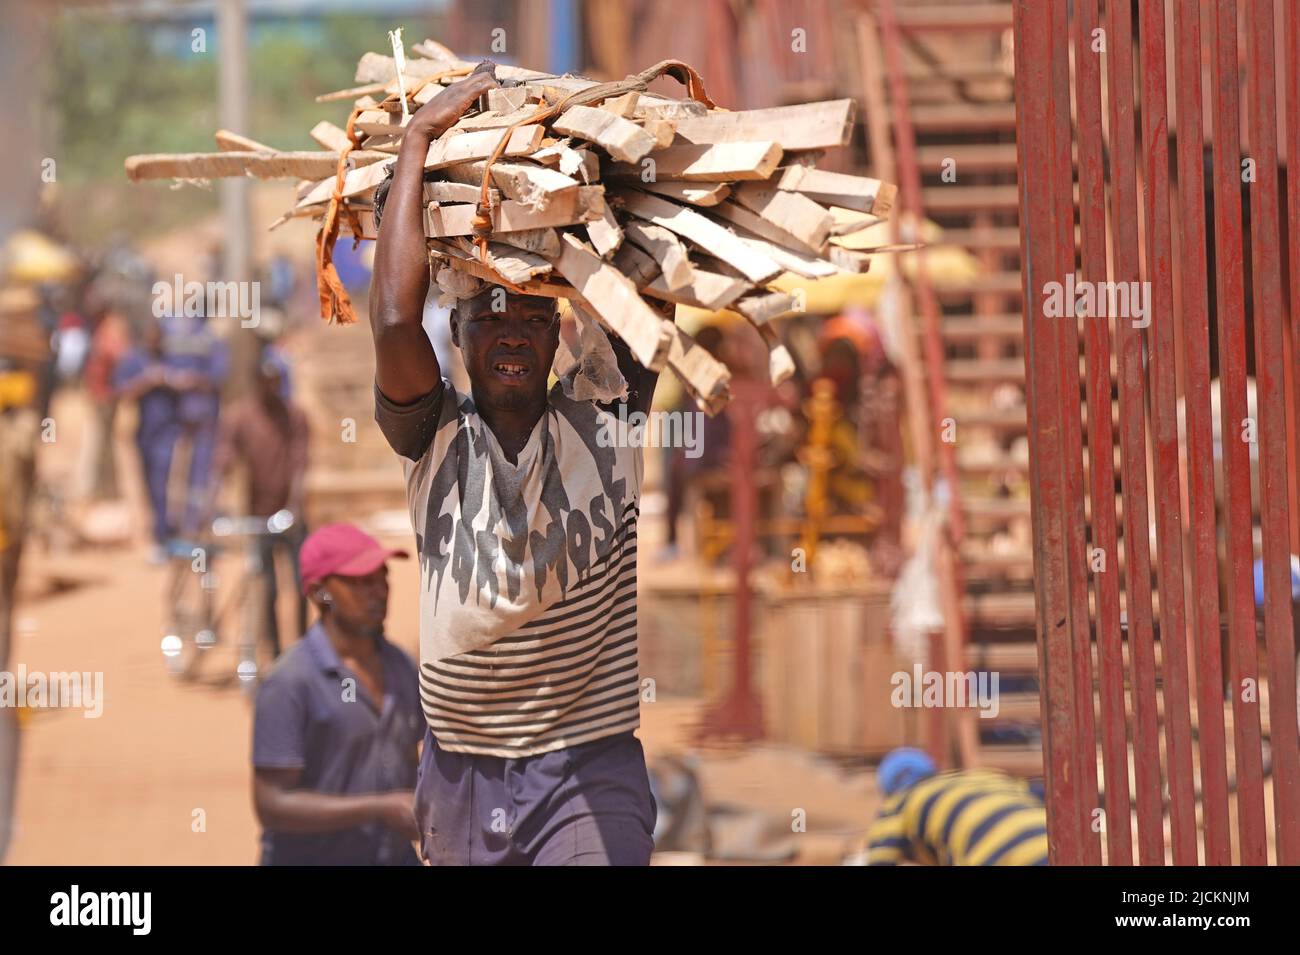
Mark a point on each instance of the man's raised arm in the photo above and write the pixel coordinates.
(406, 367)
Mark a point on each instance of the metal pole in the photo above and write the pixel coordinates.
(236, 215)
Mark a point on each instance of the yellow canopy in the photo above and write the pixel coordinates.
(31, 258)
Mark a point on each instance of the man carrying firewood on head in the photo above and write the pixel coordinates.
(525, 514)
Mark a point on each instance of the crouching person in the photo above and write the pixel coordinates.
(338, 720)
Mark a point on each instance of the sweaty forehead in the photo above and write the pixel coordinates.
(511, 303)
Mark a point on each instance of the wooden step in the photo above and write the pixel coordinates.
(998, 238)
(982, 370)
(971, 328)
(964, 118)
(951, 198)
(969, 157)
(979, 17)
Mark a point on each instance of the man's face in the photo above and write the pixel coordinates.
(508, 343)
(360, 602)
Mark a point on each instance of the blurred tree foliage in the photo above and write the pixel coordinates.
(119, 86)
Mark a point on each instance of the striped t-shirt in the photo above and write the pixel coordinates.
(528, 584)
(973, 817)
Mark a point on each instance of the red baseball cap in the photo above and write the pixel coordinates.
(341, 549)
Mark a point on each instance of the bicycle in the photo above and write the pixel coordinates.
(197, 617)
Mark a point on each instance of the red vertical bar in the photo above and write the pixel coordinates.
(1270, 385)
(1200, 441)
(1085, 737)
(1132, 423)
(1035, 121)
(1110, 649)
(1231, 321)
(1164, 434)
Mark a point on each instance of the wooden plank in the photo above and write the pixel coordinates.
(725, 162)
(859, 193)
(517, 265)
(664, 248)
(810, 126)
(518, 181)
(789, 211)
(467, 147)
(545, 241)
(638, 266)
(580, 161)
(695, 194)
(355, 182)
(762, 307)
(233, 142)
(605, 234)
(614, 298)
(762, 228)
(689, 224)
(622, 106)
(587, 203)
(330, 136)
(706, 289)
(662, 131)
(507, 99)
(457, 192)
(706, 378)
(263, 165)
(621, 138)
(780, 365)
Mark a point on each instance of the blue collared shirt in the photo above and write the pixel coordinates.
(313, 714)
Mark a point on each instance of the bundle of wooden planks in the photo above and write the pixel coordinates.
(598, 193)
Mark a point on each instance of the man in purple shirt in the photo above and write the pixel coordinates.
(338, 720)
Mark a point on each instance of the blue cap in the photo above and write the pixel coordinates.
(903, 767)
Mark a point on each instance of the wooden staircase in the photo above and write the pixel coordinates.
(959, 88)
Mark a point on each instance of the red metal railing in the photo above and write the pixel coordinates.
(1078, 563)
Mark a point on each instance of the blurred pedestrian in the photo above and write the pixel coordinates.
(109, 341)
(338, 720)
(267, 435)
(197, 362)
(141, 376)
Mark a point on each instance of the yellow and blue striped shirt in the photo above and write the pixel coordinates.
(975, 817)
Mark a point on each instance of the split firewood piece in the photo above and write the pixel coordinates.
(263, 165)
(780, 365)
(330, 136)
(848, 259)
(621, 138)
(544, 241)
(516, 265)
(605, 234)
(663, 131)
(725, 162)
(649, 108)
(380, 122)
(636, 265)
(353, 92)
(809, 126)
(807, 266)
(355, 182)
(664, 248)
(234, 143)
(791, 212)
(703, 232)
(466, 147)
(457, 192)
(765, 229)
(859, 193)
(472, 265)
(583, 205)
(614, 298)
(701, 194)
(761, 307)
(707, 289)
(571, 161)
(507, 99)
(495, 120)
(706, 377)
(534, 185)
(623, 106)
